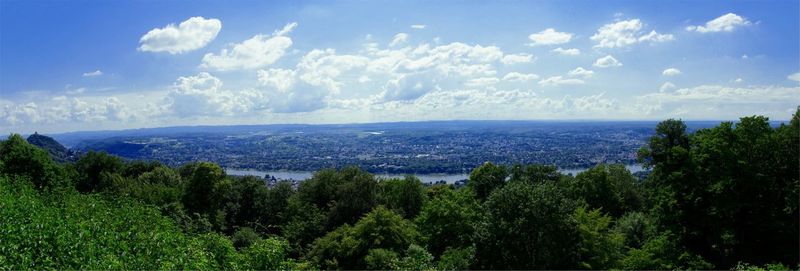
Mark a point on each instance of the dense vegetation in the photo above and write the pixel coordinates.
(724, 197)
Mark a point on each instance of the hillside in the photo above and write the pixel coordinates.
(58, 152)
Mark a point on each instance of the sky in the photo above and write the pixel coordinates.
(106, 65)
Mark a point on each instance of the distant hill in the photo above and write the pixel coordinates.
(56, 150)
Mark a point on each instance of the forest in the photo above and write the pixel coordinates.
(718, 198)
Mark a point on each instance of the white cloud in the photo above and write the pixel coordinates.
(581, 72)
(519, 77)
(666, 87)
(517, 58)
(724, 23)
(399, 39)
(567, 52)
(323, 67)
(288, 28)
(92, 74)
(418, 26)
(738, 80)
(606, 62)
(202, 95)
(549, 37)
(671, 72)
(594, 103)
(256, 52)
(794, 77)
(482, 81)
(555, 81)
(653, 36)
(625, 33)
(280, 79)
(408, 87)
(192, 34)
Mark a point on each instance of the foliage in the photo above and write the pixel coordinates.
(91, 167)
(244, 237)
(728, 193)
(599, 247)
(449, 220)
(723, 197)
(486, 178)
(535, 220)
(611, 188)
(266, 254)
(347, 246)
(19, 158)
(457, 258)
(68, 230)
(406, 196)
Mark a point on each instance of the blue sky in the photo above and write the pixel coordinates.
(92, 65)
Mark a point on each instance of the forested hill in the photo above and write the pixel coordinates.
(57, 151)
(725, 197)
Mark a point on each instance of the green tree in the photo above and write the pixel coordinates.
(406, 196)
(347, 246)
(267, 254)
(725, 192)
(202, 193)
(611, 188)
(536, 221)
(535, 173)
(486, 178)
(20, 158)
(90, 168)
(449, 220)
(457, 258)
(599, 247)
(244, 237)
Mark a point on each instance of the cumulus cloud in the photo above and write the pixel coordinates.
(594, 103)
(323, 67)
(280, 79)
(259, 51)
(519, 77)
(581, 72)
(724, 23)
(92, 74)
(606, 62)
(555, 81)
(408, 87)
(666, 87)
(671, 72)
(418, 26)
(794, 77)
(399, 39)
(517, 58)
(189, 35)
(549, 37)
(566, 52)
(482, 81)
(202, 95)
(625, 33)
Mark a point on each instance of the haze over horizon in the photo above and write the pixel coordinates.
(88, 65)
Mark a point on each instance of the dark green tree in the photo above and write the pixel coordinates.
(486, 178)
(347, 247)
(536, 221)
(18, 157)
(90, 168)
(449, 220)
(406, 196)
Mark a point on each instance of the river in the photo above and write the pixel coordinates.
(425, 178)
